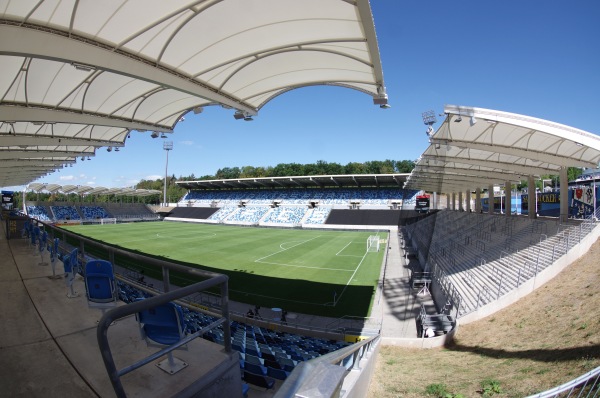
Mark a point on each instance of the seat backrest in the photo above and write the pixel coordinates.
(258, 380)
(163, 324)
(253, 359)
(54, 248)
(254, 368)
(43, 239)
(272, 363)
(100, 281)
(70, 260)
(35, 234)
(279, 374)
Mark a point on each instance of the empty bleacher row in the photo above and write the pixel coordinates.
(266, 215)
(477, 258)
(324, 196)
(53, 212)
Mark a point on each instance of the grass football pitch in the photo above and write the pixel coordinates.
(327, 273)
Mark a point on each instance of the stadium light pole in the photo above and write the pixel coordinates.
(429, 120)
(167, 146)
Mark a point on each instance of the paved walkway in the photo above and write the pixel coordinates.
(400, 303)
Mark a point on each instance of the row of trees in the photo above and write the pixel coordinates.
(321, 167)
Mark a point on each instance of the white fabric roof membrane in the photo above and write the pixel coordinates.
(321, 181)
(81, 74)
(476, 147)
(87, 190)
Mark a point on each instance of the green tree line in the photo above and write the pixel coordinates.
(321, 167)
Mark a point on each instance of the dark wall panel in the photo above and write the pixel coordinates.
(193, 212)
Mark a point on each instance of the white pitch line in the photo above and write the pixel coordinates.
(306, 266)
(350, 280)
(259, 260)
(343, 248)
(345, 255)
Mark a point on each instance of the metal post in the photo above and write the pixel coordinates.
(225, 312)
(594, 217)
(166, 279)
(167, 146)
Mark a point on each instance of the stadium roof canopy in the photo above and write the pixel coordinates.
(476, 147)
(87, 190)
(81, 75)
(323, 181)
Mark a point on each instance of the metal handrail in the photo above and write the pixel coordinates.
(580, 383)
(123, 311)
(304, 370)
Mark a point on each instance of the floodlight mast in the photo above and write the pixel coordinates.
(167, 146)
(429, 120)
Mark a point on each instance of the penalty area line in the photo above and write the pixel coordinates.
(258, 260)
(349, 280)
(304, 266)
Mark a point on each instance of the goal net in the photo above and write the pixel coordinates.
(373, 243)
(108, 221)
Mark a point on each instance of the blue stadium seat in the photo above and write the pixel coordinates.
(279, 374)
(71, 266)
(258, 380)
(100, 284)
(164, 325)
(254, 368)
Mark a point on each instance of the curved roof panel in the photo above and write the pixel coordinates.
(93, 71)
(475, 147)
(317, 181)
(87, 190)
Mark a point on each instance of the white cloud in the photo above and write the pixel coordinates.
(67, 178)
(187, 143)
(153, 177)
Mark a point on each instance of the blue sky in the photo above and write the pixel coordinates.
(537, 58)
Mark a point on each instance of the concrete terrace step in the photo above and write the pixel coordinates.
(483, 258)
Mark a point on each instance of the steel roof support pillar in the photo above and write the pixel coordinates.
(491, 199)
(564, 194)
(460, 201)
(531, 197)
(507, 198)
(478, 200)
(468, 200)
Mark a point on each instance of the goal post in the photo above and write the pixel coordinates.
(108, 221)
(373, 243)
